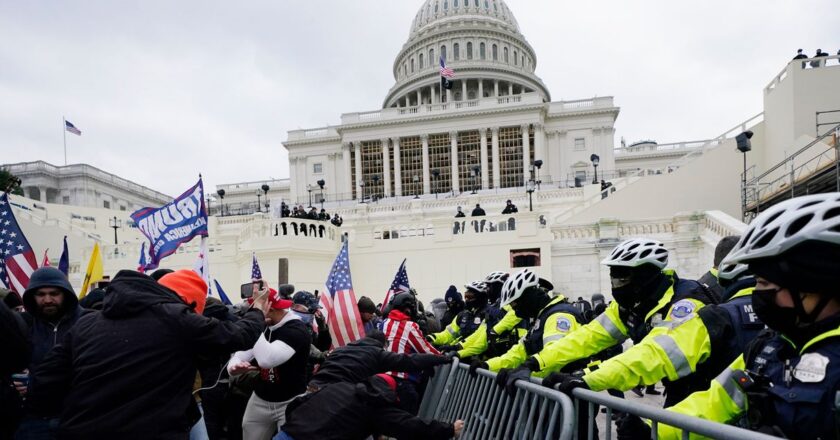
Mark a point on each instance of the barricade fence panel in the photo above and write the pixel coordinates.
(536, 412)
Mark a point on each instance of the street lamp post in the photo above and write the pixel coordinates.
(538, 163)
(265, 189)
(116, 224)
(475, 173)
(309, 190)
(362, 186)
(416, 180)
(321, 184)
(435, 175)
(595, 161)
(530, 189)
(221, 194)
(744, 145)
(259, 200)
(373, 195)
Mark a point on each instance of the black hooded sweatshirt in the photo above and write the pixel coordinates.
(127, 372)
(354, 411)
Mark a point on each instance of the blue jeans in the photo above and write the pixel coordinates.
(282, 436)
(199, 430)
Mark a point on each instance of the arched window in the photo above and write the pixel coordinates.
(412, 65)
(506, 55)
(445, 4)
(405, 70)
(486, 4)
(455, 4)
(443, 52)
(432, 59)
(475, 3)
(456, 51)
(469, 50)
(421, 61)
(495, 7)
(495, 53)
(436, 7)
(515, 58)
(523, 60)
(481, 52)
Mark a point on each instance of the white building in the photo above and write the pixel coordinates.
(83, 185)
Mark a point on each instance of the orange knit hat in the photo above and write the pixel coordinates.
(189, 286)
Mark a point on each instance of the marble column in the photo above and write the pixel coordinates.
(480, 88)
(358, 152)
(463, 90)
(482, 133)
(497, 178)
(495, 87)
(397, 168)
(386, 167)
(419, 97)
(426, 184)
(347, 187)
(526, 155)
(433, 90)
(453, 160)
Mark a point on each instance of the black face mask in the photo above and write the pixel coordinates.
(632, 286)
(530, 303)
(781, 319)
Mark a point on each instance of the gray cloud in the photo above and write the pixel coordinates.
(165, 90)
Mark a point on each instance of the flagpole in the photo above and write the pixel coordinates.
(64, 131)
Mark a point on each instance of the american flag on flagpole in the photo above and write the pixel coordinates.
(72, 128)
(256, 273)
(400, 284)
(339, 302)
(445, 72)
(16, 252)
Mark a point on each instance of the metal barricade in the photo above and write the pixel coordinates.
(688, 425)
(535, 412)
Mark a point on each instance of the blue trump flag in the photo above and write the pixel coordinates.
(173, 224)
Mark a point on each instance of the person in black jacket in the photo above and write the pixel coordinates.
(510, 208)
(128, 371)
(280, 355)
(478, 211)
(214, 393)
(358, 360)
(354, 411)
(454, 305)
(16, 348)
(52, 309)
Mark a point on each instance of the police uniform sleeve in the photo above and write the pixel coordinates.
(475, 343)
(723, 402)
(449, 335)
(512, 359)
(671, 350)
(558, 326)
(603, 332)
(508, 322)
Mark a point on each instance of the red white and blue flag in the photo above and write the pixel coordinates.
(72, 128)
(445, 72)
(256, 273)
(399, 285)
(17, 255)
(339, 302)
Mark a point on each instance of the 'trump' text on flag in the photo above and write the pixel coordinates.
(173, 224)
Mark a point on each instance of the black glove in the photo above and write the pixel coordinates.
(451, 355)
(445, 348)
(567, 382)
(520, 373)
(632, 427)
(475, 365)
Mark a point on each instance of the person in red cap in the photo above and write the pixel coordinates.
(128, 371)
(354, 411)
(280, 354)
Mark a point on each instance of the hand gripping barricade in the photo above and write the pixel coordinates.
(536, 412)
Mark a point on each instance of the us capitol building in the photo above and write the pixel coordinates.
(397, 175)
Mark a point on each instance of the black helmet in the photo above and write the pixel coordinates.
(307, 300)
(403, 300)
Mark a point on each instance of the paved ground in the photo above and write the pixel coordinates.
(646, 399)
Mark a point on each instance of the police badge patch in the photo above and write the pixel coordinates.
(681, 310)
(563, 324)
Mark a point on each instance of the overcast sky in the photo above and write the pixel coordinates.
(163, 90)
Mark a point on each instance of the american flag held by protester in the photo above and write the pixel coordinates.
(18, 256)
(340, 302)
(400, 284)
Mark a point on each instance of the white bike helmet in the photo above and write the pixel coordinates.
(478, 286)
(516, 285)
(638, 251)
(496, 277)
(732, 271)
(787, 224)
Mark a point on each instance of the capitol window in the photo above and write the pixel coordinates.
(481, 51)
(431, 56)
(475, 3)
(495, 53)
(507, 60)
(445, 4)
(580, 144)
(317, 168)
(443, 52)
(412, 65)
(456, 51)
(515, 58)
(421, 61)
(455, 4)
(469, 50)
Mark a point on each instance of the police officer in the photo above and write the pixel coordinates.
(475, 310)
(552, 318)
(698, 347)
(648, 300)
(786, 381)
(710, 278)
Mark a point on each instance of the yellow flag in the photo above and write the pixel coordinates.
(95, 272)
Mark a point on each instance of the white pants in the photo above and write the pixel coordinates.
(262, 418)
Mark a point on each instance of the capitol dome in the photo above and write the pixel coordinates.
(480, 40)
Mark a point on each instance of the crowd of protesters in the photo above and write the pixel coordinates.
(153, 357)
(313, 214)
